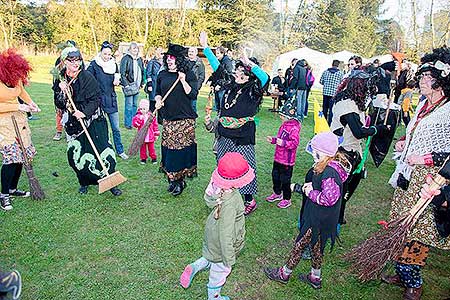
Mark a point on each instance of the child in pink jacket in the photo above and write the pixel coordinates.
(138, 122)
(286, 143)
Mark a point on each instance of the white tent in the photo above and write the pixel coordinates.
(318, 61)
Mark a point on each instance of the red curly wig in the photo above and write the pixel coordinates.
(14, 68)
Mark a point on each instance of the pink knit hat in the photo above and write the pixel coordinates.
(325, 142)
(144, 104)
(232, 171)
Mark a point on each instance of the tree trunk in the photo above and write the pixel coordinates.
(433, 34)
(414, 24)
(5, 32)
(91, 25)
(146, 22)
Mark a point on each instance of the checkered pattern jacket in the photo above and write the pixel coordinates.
(330, 81)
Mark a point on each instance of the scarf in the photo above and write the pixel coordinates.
(109, 67)
(427, 134)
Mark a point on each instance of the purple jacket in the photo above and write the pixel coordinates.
(289, 133)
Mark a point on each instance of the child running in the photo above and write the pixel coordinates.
(286, 143)
(138, 121)
(225, 226)
(322, 194)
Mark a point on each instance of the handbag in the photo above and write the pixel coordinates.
(131, 89)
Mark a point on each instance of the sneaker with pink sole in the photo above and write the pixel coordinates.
(284, 203)
(250, 207)
(274, 197)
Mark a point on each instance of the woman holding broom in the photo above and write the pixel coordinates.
(14, 71)
(84, 90)
(241, 101)
(178, 144)
(425, 148)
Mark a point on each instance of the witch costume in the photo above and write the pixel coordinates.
(178, 143)
(85, 93)
(237, 126)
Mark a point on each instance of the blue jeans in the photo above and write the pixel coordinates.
(114, 121)
(194, 105)
(130, 109)
(301, 103)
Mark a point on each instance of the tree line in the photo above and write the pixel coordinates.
(324, 25)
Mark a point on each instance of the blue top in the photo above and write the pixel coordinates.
(214, 62)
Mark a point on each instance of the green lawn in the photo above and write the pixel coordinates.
(135, 246)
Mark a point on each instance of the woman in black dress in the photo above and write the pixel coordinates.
(178, 144)
(85, 93)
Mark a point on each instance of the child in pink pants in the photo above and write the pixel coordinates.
(138, 122)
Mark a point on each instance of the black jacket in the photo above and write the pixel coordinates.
(126, 70)
(299, 77)
(108, 96)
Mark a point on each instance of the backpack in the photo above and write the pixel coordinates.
(309, 78)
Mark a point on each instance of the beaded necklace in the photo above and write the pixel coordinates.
(228, 105)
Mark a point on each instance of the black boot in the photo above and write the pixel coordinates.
(171, 186)
(179, 187)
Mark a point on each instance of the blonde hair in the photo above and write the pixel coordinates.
(320, 166)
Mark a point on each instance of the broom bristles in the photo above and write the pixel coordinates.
(37, 193)
(140, 137)
(108, 182)
(369, 258)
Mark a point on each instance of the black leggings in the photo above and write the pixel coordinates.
(281, 178)
(10, 177)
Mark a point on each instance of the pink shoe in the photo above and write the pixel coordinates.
(274, 197)
(284, 203)
(250, 207)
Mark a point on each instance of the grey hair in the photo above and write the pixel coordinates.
(133, 44)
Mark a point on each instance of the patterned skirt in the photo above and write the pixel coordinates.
(9, 148)
(82, 158)
(225, 145)
(424, 230)
(179, 149)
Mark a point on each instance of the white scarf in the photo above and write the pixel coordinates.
(432, 134)
(109, 67)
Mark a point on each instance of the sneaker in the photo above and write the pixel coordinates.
(123, 156)
(274, 197)
(83, 189)
(250, 207)
(5, 202)
(116, 191)
(284, 203)
(276, 274)
(315, 283)
(143, 161)
(19, 193)
(57, 136)
(11, 282)
(154, 161)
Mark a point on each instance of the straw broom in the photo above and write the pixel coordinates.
(142, 133)
(369, 258)
(109, 181)
(35, 188)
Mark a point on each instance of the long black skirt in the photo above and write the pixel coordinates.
(82, 158)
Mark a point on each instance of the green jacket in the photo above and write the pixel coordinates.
(224, 237)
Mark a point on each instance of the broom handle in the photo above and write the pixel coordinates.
(19, 139)
(421, 205)
(149, 120)
(105, 170)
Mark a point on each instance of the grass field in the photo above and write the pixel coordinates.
(135, 246)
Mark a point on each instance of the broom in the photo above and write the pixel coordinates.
(369, 258)
(109, 181)
(142, 133)
(35, 188)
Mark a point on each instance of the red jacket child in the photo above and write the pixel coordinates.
(138, 122)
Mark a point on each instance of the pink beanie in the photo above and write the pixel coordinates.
(326, 143)
(232, 171)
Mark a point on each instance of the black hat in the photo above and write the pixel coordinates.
(176, 50)
(289, 109)
(106, 44)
